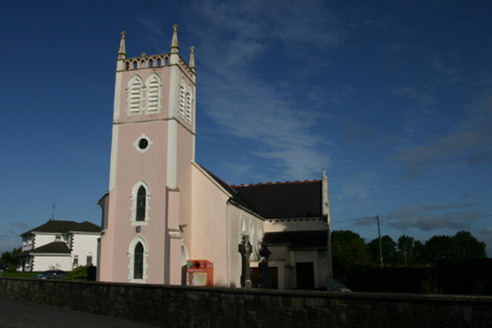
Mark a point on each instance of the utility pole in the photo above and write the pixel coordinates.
(380, 243)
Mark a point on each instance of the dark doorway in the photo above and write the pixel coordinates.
(305, 275)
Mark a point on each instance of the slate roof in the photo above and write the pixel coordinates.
(56, 226)
(284, 200)
(280, 200)
(56, 247)
(297, 240)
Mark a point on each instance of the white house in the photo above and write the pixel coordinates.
(60, 245)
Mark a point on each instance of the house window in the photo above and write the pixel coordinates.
(89, 260)
(138, 261)
(75, 261)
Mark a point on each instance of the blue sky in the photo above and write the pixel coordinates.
(394, 97)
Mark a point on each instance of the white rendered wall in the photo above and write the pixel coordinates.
(52, 262)
(83, 245)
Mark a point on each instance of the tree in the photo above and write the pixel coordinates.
(9, 258)
(389, 250)
(440, 248)
(348, 248)
(468, 247)
(405, 246)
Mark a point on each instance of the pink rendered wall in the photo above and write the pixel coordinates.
(209, 220)
(151, 166)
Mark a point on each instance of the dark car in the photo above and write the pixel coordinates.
(51, 274)
(3, 267)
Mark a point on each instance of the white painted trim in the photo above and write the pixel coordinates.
(172, 154)
(131, 254)
(133, 209)
(114, 157)
(143, 136)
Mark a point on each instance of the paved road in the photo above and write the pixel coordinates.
(15, 314)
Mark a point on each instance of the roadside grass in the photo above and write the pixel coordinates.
(14, 274)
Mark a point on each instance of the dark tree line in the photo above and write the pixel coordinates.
(349, 249)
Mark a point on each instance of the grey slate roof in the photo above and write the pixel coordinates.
(280, 200)
(56, 226)
(284, 200)
(56, 247)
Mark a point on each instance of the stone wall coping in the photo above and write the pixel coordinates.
(348, 296)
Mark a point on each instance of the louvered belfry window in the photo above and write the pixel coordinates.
(135, 96)
(181, 100)
(188, 107)
(153, 95)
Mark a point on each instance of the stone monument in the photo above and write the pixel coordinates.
(245, 249)
(265, 280)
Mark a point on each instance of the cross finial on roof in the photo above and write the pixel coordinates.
(192, 58)
(174, 43)
(122, 50)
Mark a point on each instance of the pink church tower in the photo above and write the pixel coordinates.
(147, 212)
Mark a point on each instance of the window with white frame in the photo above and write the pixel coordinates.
(189, 106)
(154, 86)
(182, 98)
(137, 260)
(140, 197)
(134, 92)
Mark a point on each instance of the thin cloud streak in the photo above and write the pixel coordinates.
(246, 105)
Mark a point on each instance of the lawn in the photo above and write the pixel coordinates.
(18, 274)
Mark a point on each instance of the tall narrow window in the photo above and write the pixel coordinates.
(134, 90)
(138, 261)
(188, 106)
(141, 202)
(182, 101)
(153, 93)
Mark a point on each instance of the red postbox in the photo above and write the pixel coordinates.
(199, 273)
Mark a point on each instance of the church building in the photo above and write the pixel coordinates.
(163, 209)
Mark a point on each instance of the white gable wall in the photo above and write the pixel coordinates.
(84, 244)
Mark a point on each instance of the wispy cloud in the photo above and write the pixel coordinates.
(471, 142)
(428, 218)
(249, 104)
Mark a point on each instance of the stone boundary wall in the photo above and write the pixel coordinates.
(179, 306)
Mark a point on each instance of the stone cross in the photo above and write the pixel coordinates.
(245, 249)
(265, 279)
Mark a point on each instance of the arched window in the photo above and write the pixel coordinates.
(138, 257)
(153, 93)
(182, 99)
(140, 197)
(141, 201)
(134, 90)
(189, 104)
(138, 252)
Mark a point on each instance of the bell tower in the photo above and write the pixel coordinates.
(153, 145)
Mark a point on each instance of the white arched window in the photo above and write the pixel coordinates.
(189, 106)
(154, 86)
(182, 98)
(140, 197)
(134, 93)
(138, 252)
(252, 240)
